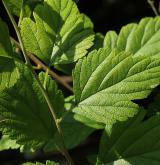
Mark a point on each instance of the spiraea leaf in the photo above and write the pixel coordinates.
(5, 44)
(131, 143)
(14, 6)
(59, 33)
(6, 143)
(25, 116)
(139, 39)
(24, 111)
(106, 82)
(8, 71)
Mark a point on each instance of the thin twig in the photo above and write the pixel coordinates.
(45, 94)
(151, 3)
(45, 68)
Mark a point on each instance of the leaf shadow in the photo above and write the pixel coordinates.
(6, 64)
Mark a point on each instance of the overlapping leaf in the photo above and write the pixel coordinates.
(14, 6)
(142, 38)
(28, 6)
(72, 137)
(26, 117)
(25, 114)
(131, 143)
(5, 44)
(98, 41)
(105, 82)
(59, 33)
(6, 143)
(8, 72)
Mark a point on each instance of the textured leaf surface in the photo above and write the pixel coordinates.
(131, 143)
(98, 41)
(47, 163)
(59, 33)
(104, 90)
(6, 143)
(74, 132)
(142, 38)
(5, 44)
(14, 6)
(28, 6)
(25, 114)
(8, 72)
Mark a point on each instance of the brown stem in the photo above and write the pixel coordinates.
(151, 3)
(46, 68)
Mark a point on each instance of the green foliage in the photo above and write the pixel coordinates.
(36, 132)
(131, 143)
(8, 71)
(104, 90)
(63, 39)
(109, 75)
(5, 44)
(6, 143)
(14, 6)
(30, 123)
(27, 5)
(139, 39)
(47, 163)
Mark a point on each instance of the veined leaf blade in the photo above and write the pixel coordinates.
(104, 90)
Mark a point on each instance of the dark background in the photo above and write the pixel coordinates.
(106, 15)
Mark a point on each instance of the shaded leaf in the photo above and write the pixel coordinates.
(14, 6)
(6, 143)
(25, 114)
(8, 71)
(5, 44)
(98, 41)
(131, 143)
(74, 132)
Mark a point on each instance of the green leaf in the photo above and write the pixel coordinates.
(47, 163)
(24, 111)
(5, 44)
(142, 38)
(64, 39)
(14, 6)
(104, 91)
(28, 6)
(131, 143)
(6, 143)
(72, 137)
(8, 71)
(69, 125)
(98, 41)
